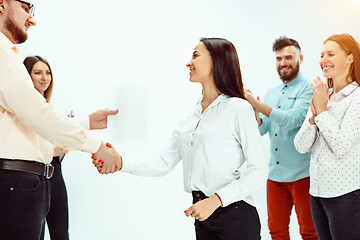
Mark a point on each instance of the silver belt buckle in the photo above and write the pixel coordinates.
(49, 170)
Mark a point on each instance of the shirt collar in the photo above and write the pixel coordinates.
(221, 98)
(294, 81)
(348, 89)
(8, 44)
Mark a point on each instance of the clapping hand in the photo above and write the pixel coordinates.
(320, 96)
(107, 159)
(314, 113)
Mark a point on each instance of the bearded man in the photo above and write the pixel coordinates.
(281, 115)
(27, 121)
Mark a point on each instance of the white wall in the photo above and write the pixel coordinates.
(94, 46)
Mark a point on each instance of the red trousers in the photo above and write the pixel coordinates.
(281, 196)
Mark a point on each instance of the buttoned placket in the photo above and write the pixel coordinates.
(279, 103)
(201, 115)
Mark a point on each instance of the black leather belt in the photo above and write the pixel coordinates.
(27, 166)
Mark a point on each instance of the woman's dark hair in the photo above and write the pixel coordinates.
(226, 67)
(29, 63)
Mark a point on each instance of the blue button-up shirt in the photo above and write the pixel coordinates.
(290, 103)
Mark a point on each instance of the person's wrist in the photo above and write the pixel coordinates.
(217, 200)
(121, 162)
(312, 120)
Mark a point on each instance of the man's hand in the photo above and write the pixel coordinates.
(98, 119)
(108, 158)
(254, 102)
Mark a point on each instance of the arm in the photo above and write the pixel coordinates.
(255, 102)
(42, 118)
(33, 111)
(151, 167)
(96, 120)
(256, 168)
(305, 138)
(255, 158)
(264, 127)
(341, 139)
(293, 118)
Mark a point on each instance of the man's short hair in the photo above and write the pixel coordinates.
(284, 41)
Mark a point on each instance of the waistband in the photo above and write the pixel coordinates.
(27, 166)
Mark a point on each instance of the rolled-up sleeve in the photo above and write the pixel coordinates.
(293, 118)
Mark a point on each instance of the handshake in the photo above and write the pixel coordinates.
(107, 159)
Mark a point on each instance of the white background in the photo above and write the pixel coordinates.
(97, 46)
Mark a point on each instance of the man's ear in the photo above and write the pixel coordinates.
(301, 58)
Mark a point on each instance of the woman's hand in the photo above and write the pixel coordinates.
(314, 113)
(320, 96)
(204, 208)
(99, 163)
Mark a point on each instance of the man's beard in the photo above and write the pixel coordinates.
(19, 35)
(291, 75)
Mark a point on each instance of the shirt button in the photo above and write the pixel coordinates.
(279, 106)
(275, 149)
(277, 162)
(283, 93)
(11, 188)
(275, 134)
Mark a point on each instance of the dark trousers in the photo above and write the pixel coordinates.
(337, 218)
(24, 203)
(58, 217)
(238, 221)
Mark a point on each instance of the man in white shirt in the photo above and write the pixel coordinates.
(26, 122)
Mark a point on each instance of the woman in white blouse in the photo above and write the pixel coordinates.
(213, 142)
(332, 133)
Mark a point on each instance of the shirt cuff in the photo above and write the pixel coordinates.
(226, 201)
(127, 166)
(84, 122)
(91, 143)
(275, 115)
(320, 118)
(262, 127)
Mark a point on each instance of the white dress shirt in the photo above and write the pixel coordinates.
(213, 146)
(334, 142)
(25, 116)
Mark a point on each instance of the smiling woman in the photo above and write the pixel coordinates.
(217, 138)
(332, 133)
(41, 75)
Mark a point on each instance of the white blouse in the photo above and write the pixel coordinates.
(334, 142)
(213, 146)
